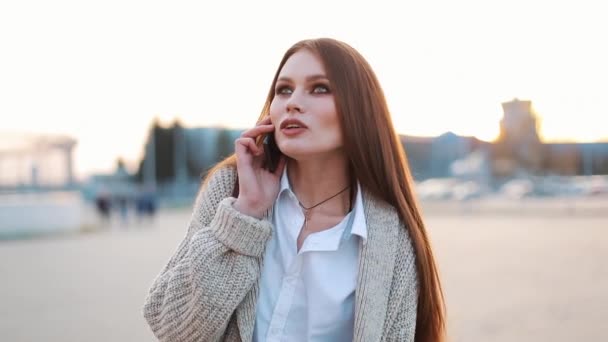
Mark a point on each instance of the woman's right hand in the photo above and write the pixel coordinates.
(258, 187)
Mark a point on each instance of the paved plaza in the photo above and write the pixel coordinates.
(506, 277)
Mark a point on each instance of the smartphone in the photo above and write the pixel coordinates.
(272, 154)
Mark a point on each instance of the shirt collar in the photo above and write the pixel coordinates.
(359, 223)
(284, 181)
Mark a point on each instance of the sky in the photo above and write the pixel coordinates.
(101, 71)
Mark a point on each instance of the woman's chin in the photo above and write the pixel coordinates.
(296, 155)
(290, 148)
(303, 155)
(299, 151)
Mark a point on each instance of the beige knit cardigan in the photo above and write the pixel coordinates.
(209, 288)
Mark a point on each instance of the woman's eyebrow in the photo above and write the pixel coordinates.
(308, 78)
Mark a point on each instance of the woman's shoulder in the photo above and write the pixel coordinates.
(393, 222)
(218, 185)
(386, 217)
(220, 180)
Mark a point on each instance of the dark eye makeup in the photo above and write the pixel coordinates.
(317, 88)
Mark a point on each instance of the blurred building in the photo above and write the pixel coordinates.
(119, 183)
(518, 145)
(519, 150)
(37, 162)
(432, 157)
(38, 191)
(576, 158)
(176, 158)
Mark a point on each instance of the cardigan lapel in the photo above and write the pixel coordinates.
(376, 265)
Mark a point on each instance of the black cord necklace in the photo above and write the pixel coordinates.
(308, 211)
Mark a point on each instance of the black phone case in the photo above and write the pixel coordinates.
(272, 153)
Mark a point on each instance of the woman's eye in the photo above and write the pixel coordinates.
(320, 89)
(283, 90)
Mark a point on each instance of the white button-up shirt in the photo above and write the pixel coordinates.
(308, 295)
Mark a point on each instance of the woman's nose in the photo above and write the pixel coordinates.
(294, 104)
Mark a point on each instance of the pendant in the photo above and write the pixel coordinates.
(306, 217)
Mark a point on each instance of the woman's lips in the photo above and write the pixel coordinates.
(292, 131)
(292, 122)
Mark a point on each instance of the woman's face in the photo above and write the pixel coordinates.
(303, 109)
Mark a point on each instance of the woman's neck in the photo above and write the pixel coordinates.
(315, 180)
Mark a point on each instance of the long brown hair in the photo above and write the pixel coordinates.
(377, 161)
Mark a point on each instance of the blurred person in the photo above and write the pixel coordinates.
(123, 208)
(145, 203)
(103, 204)
(311, 230)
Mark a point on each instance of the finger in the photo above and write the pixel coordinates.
(254, 132)
(240, 150)
(246, 145)
(260, 149)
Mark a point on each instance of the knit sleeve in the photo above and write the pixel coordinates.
(211, 272)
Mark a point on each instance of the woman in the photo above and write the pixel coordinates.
(329, 246)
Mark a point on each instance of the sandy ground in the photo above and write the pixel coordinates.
(506, 277)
